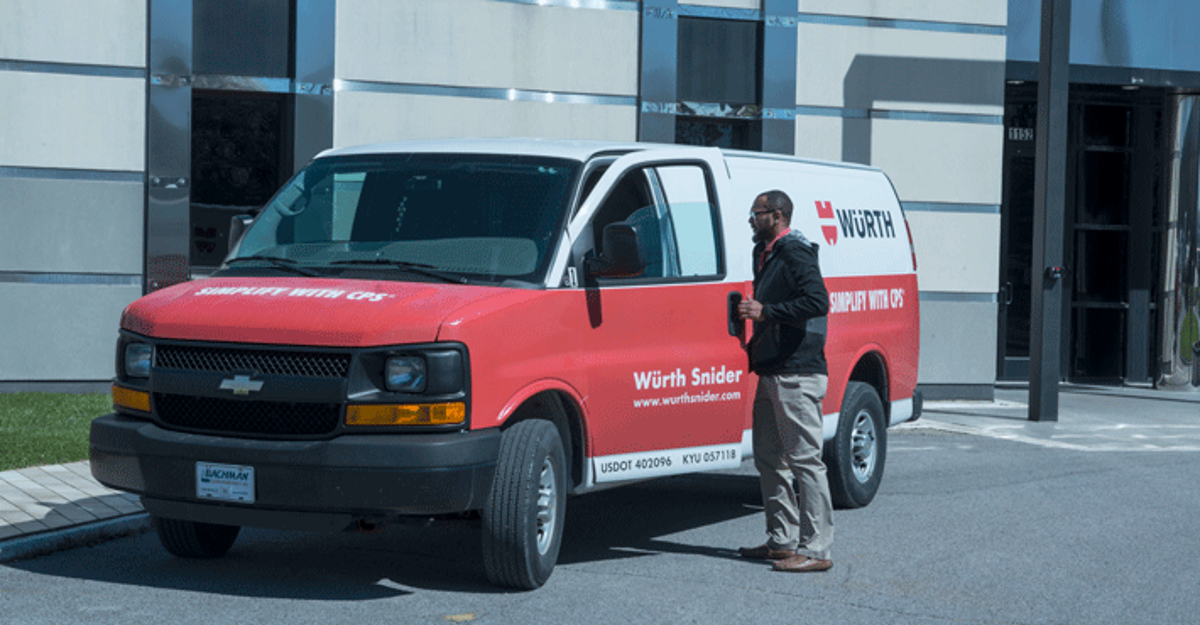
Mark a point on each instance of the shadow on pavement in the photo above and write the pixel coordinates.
(620, 523)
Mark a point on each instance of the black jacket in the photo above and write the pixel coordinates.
(791, 339)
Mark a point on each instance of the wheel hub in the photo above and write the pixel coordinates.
(547, 507)
(862, 446)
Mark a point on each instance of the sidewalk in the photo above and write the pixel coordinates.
(52, 508)
(56, 507)
(1090, 418)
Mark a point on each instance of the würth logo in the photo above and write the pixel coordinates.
(855, 223)
(825, 211)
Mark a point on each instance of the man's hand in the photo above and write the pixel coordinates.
(751, 309)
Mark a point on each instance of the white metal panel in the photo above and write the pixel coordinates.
(64, 332)
(893, 69)
(958, 343)
(821, 136)
(71, 226)
(111, 32)
(988, 12)
(72, 122)
(940, 162)
(957, 252)
(726, 4)
(488, 44)
(395, 117)
(927, 161)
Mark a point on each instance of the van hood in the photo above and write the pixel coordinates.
(294, 311)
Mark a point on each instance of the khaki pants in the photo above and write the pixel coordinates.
(787, 442)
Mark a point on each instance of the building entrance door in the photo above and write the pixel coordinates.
(1112, 229)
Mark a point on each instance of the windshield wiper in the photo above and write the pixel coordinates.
(417, 268)
(275, 261)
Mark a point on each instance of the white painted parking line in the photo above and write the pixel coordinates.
(1090, 438)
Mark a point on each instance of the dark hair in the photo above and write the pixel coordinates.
(779, 201)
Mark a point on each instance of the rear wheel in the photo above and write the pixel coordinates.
(190, 539)
(855, 457)
(524, 513)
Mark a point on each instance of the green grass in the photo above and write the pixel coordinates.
(47, 428)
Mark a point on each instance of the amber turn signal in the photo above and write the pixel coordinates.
(406, 414)
(131, 399)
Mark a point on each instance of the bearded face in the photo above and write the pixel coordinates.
(762, 221)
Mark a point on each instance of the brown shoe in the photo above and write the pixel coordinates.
(765, 552)
(802, 564)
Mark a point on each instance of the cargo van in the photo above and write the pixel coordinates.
(486, 327)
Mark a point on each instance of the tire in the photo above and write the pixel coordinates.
(524, 513)
(855, 458)
(190, 539)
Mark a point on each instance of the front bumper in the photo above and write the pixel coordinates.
(303, 485)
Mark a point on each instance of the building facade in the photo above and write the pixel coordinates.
(132, 130)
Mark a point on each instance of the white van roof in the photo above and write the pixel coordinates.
(556, 148)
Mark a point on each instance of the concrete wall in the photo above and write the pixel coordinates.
(917, 89)
(72, 145)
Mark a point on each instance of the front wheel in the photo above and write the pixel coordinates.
(190, 539)
(855, 457)
(524, 514)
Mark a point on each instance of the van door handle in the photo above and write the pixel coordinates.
(737, 325)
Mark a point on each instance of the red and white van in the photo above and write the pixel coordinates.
(454, 326)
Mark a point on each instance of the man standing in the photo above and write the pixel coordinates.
(787, 351)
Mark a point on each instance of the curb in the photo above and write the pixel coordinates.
(88, 534)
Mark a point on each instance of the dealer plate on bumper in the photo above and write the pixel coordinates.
(225, 482)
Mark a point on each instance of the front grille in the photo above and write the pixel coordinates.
(305, 364)
(227, 416)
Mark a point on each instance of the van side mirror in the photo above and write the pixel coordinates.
(237, 227)
(622, 255)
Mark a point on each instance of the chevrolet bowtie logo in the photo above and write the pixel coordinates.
(241, 385)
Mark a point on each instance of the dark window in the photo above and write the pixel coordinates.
(718, 61)
(741, 134)
(238, 153)
(242, 38)
(240, 157)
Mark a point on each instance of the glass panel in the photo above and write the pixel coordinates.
(1099, 338)
(242, 38)
(239, 157)
(1101, 265)
(694, 233)
(1106, 126)
(1103, 189)
(238, 147)
(718, 61)
(632, 201)
(1020, 255)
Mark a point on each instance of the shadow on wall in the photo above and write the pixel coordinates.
(874, 79)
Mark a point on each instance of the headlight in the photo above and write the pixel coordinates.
(137, 359)
(405, 374)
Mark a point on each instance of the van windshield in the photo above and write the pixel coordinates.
(414, 217)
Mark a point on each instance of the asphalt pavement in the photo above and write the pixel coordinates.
(53, 508)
